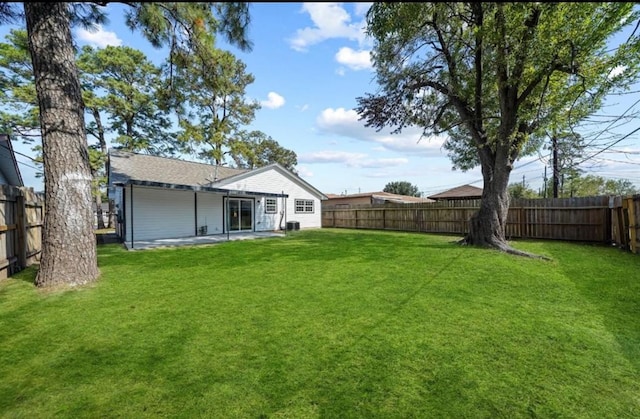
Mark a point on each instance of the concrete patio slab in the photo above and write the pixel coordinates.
(199, 240)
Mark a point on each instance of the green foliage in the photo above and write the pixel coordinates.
(402, 188)
(121, 84)
(124, 84)
(576, 185)
(212, 106)
(495, 76)
(331, 323)
(20, 114)
(518, 190)
(256, 149)
(188, 26)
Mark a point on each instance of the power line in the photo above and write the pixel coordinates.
(609, 146)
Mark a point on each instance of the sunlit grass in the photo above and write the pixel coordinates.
(329, 323)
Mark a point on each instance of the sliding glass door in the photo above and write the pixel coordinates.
(240, 214)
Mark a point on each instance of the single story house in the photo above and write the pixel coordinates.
(459, 193)
(9, 170)
(163, 198)
(368, 198)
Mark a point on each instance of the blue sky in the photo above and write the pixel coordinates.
(311, 62)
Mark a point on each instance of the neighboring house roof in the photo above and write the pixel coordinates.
(125, 166)
(460, 192)
(277, 167)
(8, 162)
(381, 196)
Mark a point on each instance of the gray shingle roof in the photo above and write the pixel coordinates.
(460, 192)
(126, 166)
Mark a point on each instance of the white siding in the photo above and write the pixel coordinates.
(275, 182)
(160, 213)
(268, 222)
(210, 212)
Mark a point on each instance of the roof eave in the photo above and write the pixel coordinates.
(197, 188)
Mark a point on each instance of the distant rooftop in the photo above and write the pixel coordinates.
(382, 196)
(460, 192)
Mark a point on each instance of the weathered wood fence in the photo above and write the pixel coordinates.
(21, 222)
(600, 219)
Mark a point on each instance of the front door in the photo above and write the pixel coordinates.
(240, 214)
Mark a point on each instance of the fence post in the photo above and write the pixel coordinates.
(632, 226)
(21, 230)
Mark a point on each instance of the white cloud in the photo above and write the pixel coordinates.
(346, 123)
(274, 101)
(330, 157)
(355, 160)
(355, 60)
(381, 163)
(361, 9)
(99, 37)
(304, 107)
(330, 20)
(304, 171)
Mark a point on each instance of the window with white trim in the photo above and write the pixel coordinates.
(270, 206)
(304, 206)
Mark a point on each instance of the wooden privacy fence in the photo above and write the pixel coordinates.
(625, 217)
(589, 219)
(21, 221)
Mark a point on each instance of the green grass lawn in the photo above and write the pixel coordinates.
(329, 324)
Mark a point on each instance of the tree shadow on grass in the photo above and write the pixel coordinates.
(608, 279)
(28, 274)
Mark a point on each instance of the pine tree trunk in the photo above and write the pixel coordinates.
(105, 152)
(68, 243)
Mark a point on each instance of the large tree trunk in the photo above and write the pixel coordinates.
(68, 244)
(487, 226)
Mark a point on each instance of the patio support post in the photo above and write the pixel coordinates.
(131, 205)
(228, 216)
(195, 211)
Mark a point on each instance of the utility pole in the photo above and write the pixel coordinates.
(523, 182)
(545, 182)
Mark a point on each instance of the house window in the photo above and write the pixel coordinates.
(270, 205)
(304, 206)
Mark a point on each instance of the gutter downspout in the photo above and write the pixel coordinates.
(285, 213)
(228, 217)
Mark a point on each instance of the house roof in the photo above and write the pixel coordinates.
(165, 172)
(127, 167)
(385, 196)
(460, 192)
(8, 163)
(279, 168)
